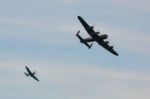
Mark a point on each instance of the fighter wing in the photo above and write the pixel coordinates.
(88, 28)
(28, 70)
(34, 77)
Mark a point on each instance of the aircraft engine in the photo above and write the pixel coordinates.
(91, 27)
(104, 36)
(111, 47)
(107, 42)
(97, 32)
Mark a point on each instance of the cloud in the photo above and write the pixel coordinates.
(37, 31)
(43, 32)
(48, 24)
(74, 81)
(120, 37)
(131, 40)
(93, 81)
(141, 6)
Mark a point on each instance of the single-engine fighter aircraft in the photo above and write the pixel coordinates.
(32, 74)
(95, 36)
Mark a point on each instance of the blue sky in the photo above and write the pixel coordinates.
(41, 35)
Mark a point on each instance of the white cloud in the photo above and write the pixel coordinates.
(122, 38)
(94, 81)
(75, 81)
(136, 5)
(35, 31)
(64, 80)
(131, 40)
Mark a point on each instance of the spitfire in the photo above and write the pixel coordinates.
(32, 74)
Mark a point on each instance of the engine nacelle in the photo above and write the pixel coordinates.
(107, 42)
(104, 36)
(91, 27)
(97, 32)
(111, 47)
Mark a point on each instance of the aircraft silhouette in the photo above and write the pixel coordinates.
(94, 36)
(31, 74)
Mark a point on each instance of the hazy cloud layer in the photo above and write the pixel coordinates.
(41, 34)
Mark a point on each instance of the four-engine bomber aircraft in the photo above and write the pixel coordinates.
(30, 73)
(95, 36)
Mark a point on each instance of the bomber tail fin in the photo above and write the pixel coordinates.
(83, 41)
(90, 45)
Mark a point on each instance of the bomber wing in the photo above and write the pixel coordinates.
(88, 28)
(107, 47)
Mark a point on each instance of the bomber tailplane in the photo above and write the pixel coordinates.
(83, 41)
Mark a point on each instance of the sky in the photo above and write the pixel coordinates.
(41, 35)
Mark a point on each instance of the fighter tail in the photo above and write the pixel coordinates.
(26, 74)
